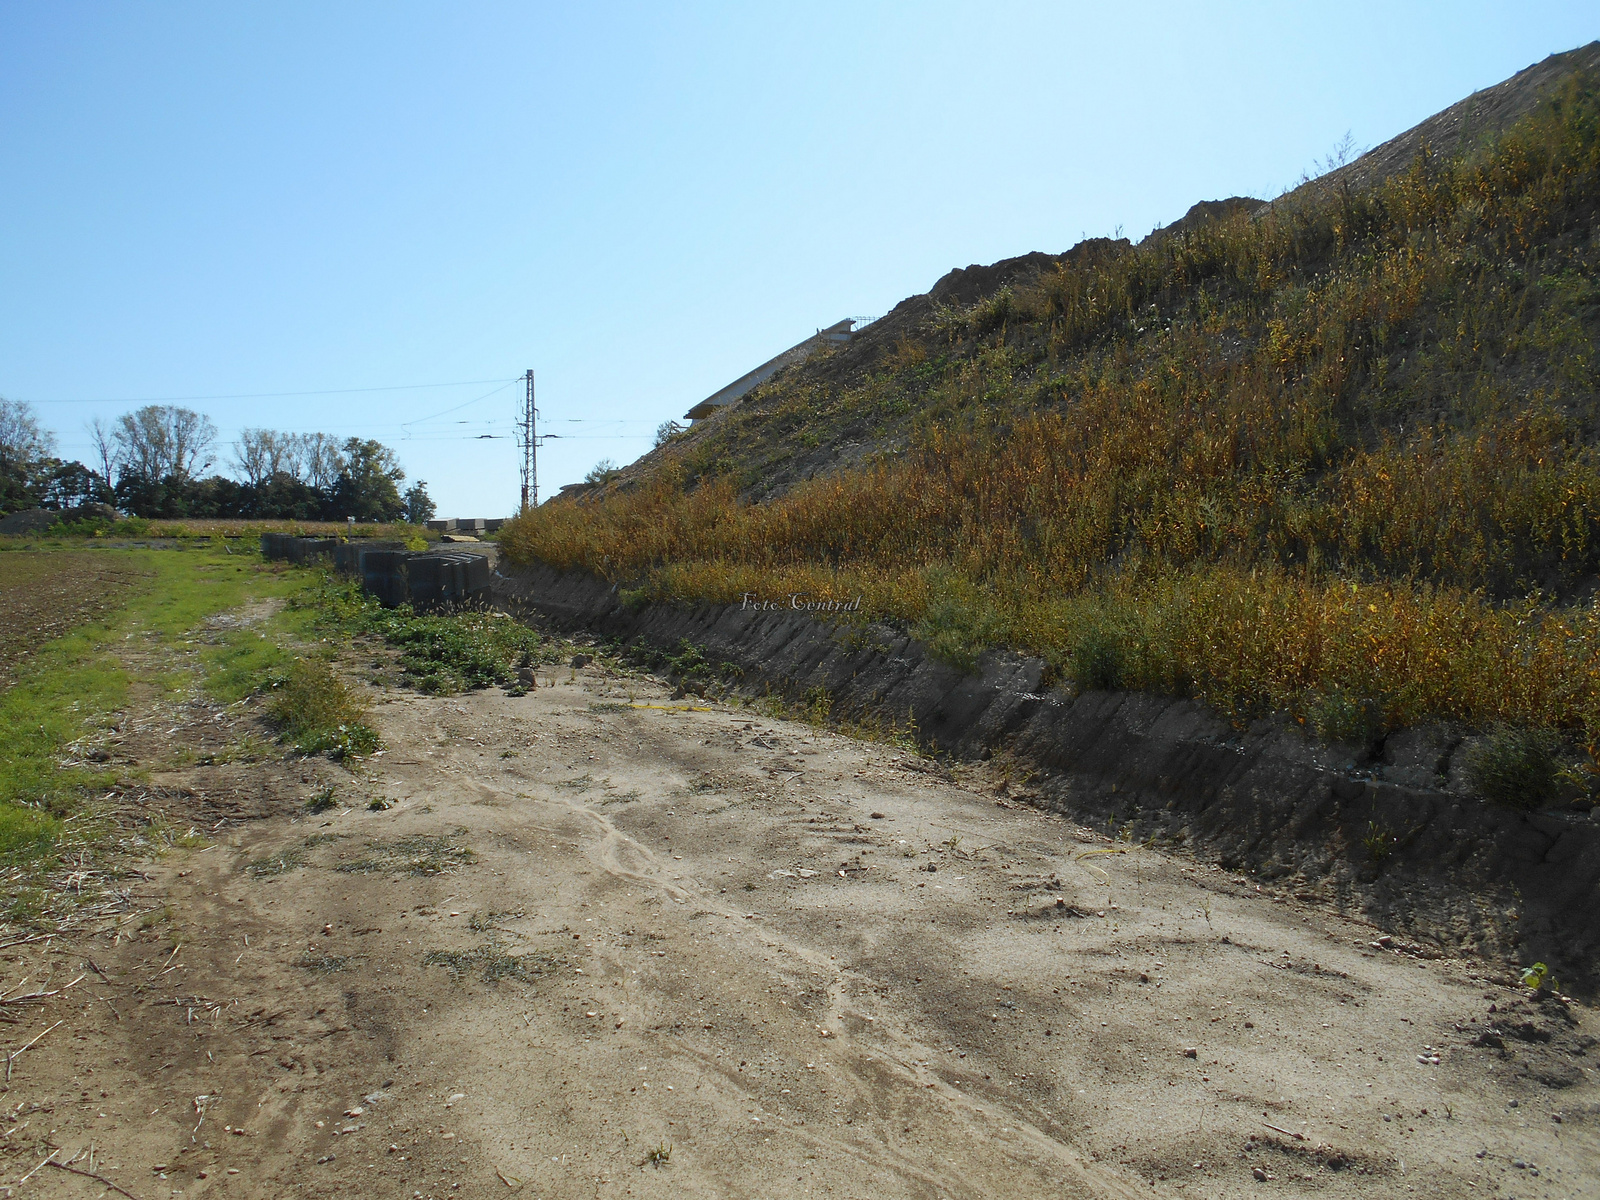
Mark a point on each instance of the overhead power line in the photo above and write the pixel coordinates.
(504, 384)
(397, 387)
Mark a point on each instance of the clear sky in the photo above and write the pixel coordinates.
(214, 202)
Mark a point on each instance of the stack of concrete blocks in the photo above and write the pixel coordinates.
(395, 575)
(467, 525)
(288, 548)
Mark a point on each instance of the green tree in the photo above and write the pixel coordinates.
(25, 462)
(419, 505)
(367, 487)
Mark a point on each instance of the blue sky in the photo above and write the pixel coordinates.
(229, 201)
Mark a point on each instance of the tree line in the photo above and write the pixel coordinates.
(153, 462)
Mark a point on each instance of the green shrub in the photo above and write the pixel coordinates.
(1099, 661)
(1339, 716)
(959, 621)
(992, 312)
(319, 712)
(1515, 767)
(689, 662)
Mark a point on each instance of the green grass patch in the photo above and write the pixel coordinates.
(440, 653)
(73, 684)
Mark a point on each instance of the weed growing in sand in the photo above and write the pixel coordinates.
(658, 1156)
(25, 904)
(1536, 977)
(327, 798)
(248, 749)
(161, 835)
(280, 863)
(483, 922)
(817, 705)
(1379, 840)
(319, 712)
(157, 916)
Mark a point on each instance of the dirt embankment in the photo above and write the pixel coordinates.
(1394, 839)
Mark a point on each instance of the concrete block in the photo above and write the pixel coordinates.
(304, 550)
(383, 573)
(447, 577)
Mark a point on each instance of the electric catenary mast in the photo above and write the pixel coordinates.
(528, 439)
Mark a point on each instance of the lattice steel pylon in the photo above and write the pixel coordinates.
(528, 440)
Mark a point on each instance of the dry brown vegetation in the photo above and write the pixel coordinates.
(1337, 456)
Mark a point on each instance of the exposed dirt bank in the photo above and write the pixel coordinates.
(1394, 840)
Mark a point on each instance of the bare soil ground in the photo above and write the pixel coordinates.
(43, 594)
(591, 942)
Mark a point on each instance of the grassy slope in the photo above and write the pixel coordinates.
(1339, 459)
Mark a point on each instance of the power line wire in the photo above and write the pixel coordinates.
(399, 387)
(459, 407)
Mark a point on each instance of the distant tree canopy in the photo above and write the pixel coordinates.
(158, 456)
(366, 486)
(30, 474)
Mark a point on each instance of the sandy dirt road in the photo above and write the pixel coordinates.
(597, 949)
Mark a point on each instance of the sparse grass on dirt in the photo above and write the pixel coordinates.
(1336, 459)
(317, 960)
(493, 961)
(279, 862)
(419, 854)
